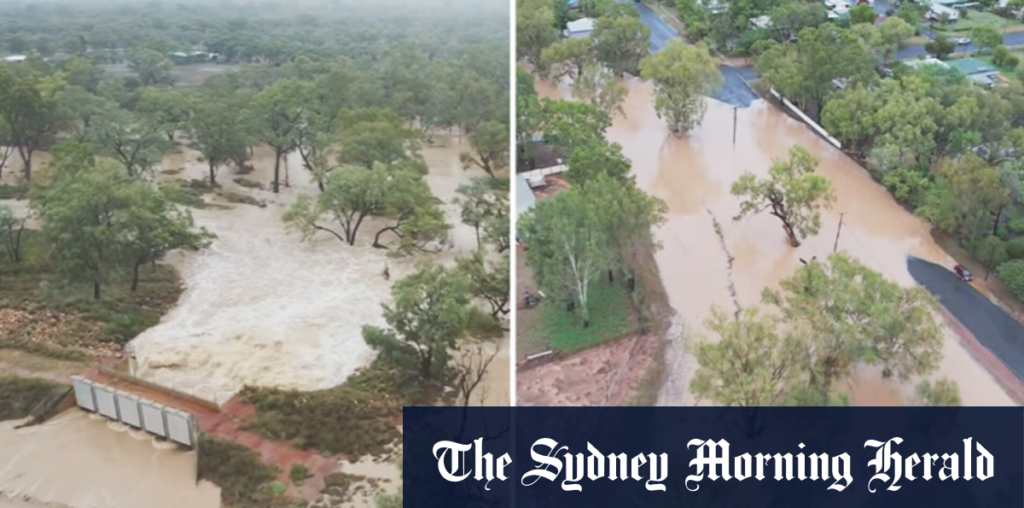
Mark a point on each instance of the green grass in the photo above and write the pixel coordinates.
(1007, 72)
(244, 480)
(356, 418)
(611, 318)
(19, 396)
(34, 285)
(976, 19)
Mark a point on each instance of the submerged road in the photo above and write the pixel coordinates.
(994, 328)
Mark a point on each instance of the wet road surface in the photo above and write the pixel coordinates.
(995, 329)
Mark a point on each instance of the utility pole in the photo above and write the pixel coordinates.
(734, 110)
(838, 231)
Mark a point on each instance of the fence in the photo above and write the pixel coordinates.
(813, 125)
(157, 419)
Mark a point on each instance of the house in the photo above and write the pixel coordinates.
(761, 23)
(15, 59)
(572, 4)
(192, 57)
(977, 71)
(925, 62)
(936, 12)
(579, 29)
(714, 6)
(524, 196)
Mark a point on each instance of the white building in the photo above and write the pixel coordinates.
(579, 29)
(936, 11)
(15, 59)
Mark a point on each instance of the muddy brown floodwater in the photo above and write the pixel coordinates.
(693, 174)
(86, 461)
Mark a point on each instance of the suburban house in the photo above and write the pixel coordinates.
(579, 29)
(925, 62)
(15, 59)
(977, 71)
(936, 12)
(761, 22)
(192, 57)
(714, 6)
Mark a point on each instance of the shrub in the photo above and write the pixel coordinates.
(1012, 274)
(299, 473)
(907, 185)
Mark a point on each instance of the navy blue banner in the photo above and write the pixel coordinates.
(713, 457)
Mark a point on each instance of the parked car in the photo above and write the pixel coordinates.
(961, 41)
(963, 273)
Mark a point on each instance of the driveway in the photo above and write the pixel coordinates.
(999, 332)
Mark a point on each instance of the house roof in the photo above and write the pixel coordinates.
(524, 196)
(970, 66)
(580, 25)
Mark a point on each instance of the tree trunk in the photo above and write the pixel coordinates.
(135, 277)
(611, 276)
(95, 290)
(477, 228)
(999, 215)
(213, 174)
(26, 157)
(277, 171)
(376, 238)
(793, 240)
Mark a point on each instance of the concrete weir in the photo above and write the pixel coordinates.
(136, 412)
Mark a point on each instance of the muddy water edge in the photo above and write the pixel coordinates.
(709, 260)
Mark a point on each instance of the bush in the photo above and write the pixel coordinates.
(243, 478)
(299, 474)
(1015, 248)
(907, 185)
(999, 55)
(19, 396)
(1012, 274)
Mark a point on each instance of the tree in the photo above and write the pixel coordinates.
(567, 58)
(893, 32)
(986, 38)
(629, 216)
(968, 192)
(598, 86)
(369, 136)
(417, 217)
(940, 47)
(621, 42)
(943, 393)
(568, 246)
(489, 280)
(806, 72)
(480, 202)
(535, 30)
(31, 112)
(152, 226)
(1011, 273)
(470, 369)
(792, 193)
(991, 251)
(862, 13)
(426, 319)
(682, 75)
(218, 132)
(151, 66)
(165, 108)
(350, 195)
(594, 159)
(135, 142)
(79, 71)
(489, 142)
(850, 117)
(568, 125)
(751, 364)
(276, 112)
(844, 311)
(11, 229)
(82, 110)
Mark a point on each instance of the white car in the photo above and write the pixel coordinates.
(961, 41)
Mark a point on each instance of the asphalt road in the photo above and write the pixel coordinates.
(995, 329)
(911, 52)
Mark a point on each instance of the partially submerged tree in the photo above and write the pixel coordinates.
(276, 113)
(489, 281)
(599, 87)
(480, 202)
(567, 58)
(682, 75)
(792, 193)
(11, 228)
(415, 214)
(425, 321)
(31, 111)
(376, 135)
(752, 364)
(350, 195)
(621, 42)
(135, 142)
(489, 142)
(219, 133)
(944, 393)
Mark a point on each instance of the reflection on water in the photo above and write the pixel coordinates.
(79, 460)
(693, 174)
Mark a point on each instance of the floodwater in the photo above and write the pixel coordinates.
(102, 465)
(701, 270)
(264, 308)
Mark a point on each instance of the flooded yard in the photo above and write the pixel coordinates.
(694, 173)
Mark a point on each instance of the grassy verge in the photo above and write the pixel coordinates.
(611, 318)
(1007, 72)
(244, 480)
(357, 418)
(34, 286)
(18, 396)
